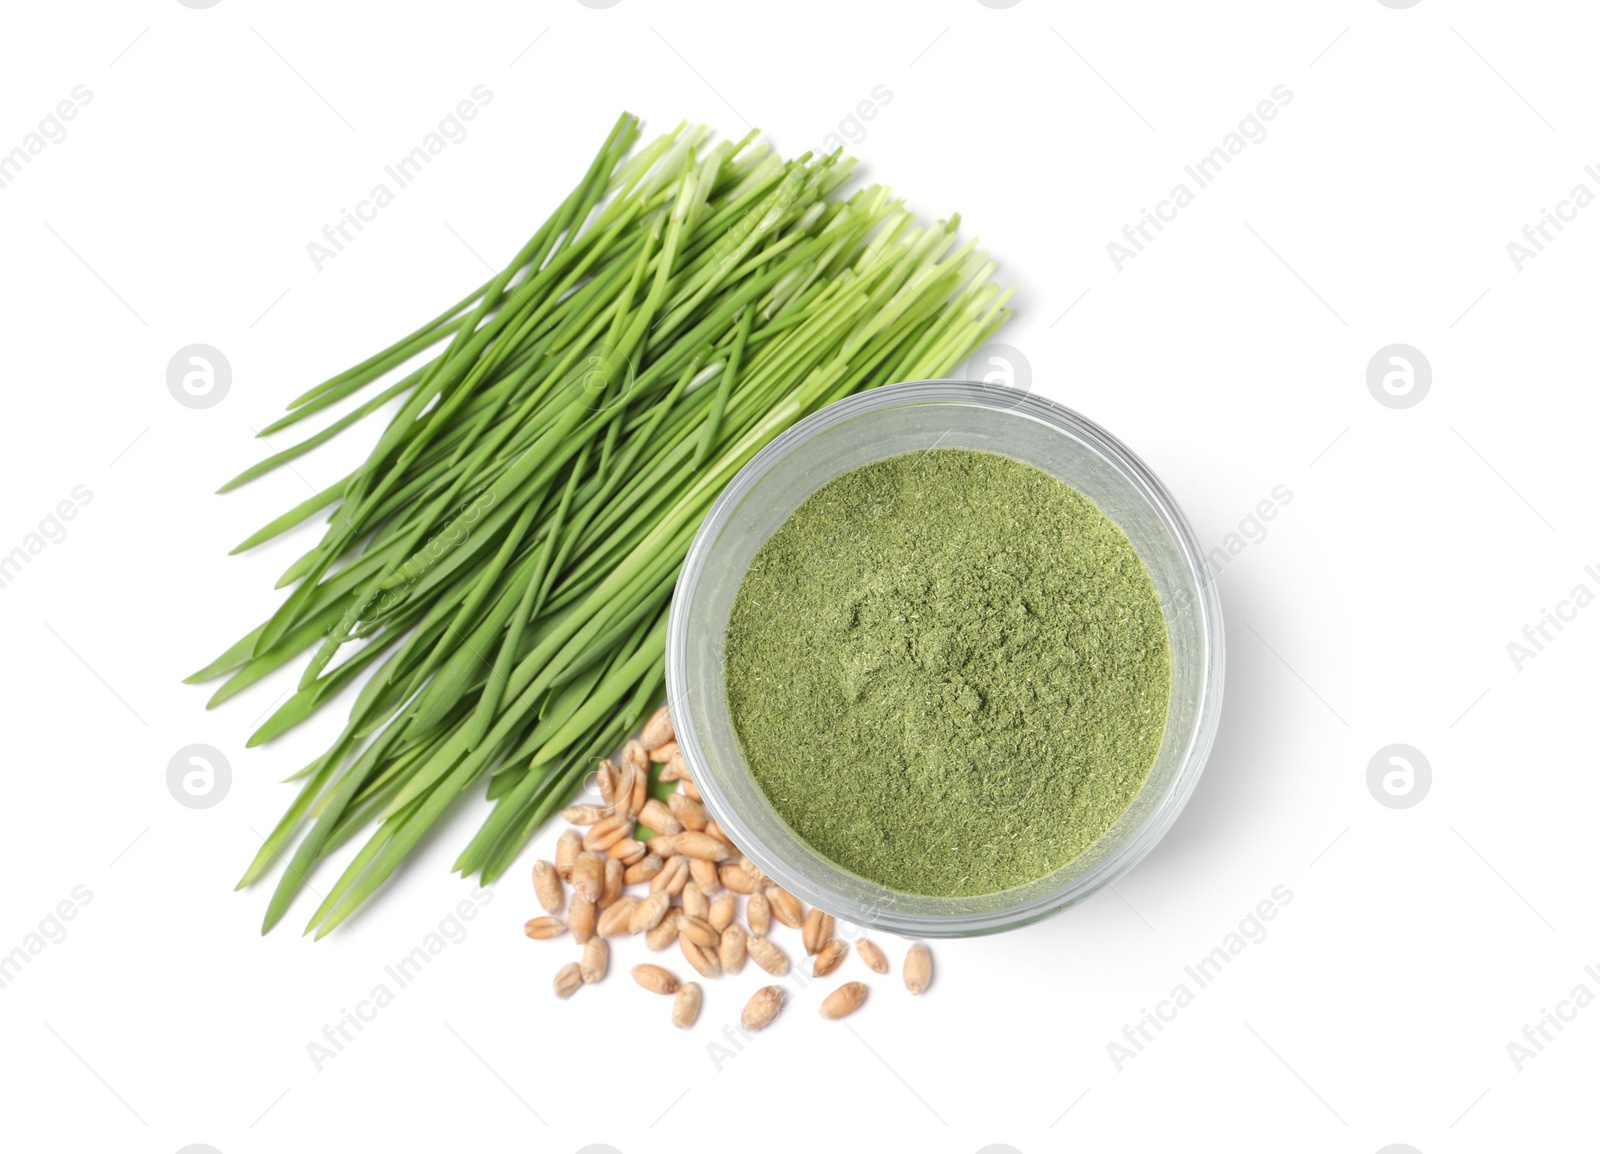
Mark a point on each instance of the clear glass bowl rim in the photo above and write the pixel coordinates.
(1207, 604)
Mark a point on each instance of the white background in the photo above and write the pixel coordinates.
(1231, 355)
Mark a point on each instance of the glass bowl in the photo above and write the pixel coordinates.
(886, 422)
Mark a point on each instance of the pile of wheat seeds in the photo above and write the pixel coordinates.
(687, 878)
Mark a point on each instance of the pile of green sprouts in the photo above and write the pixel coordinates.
(503, 560)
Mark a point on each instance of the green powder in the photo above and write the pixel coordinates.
(948, 671)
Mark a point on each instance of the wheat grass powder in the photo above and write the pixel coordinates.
(948, 671)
